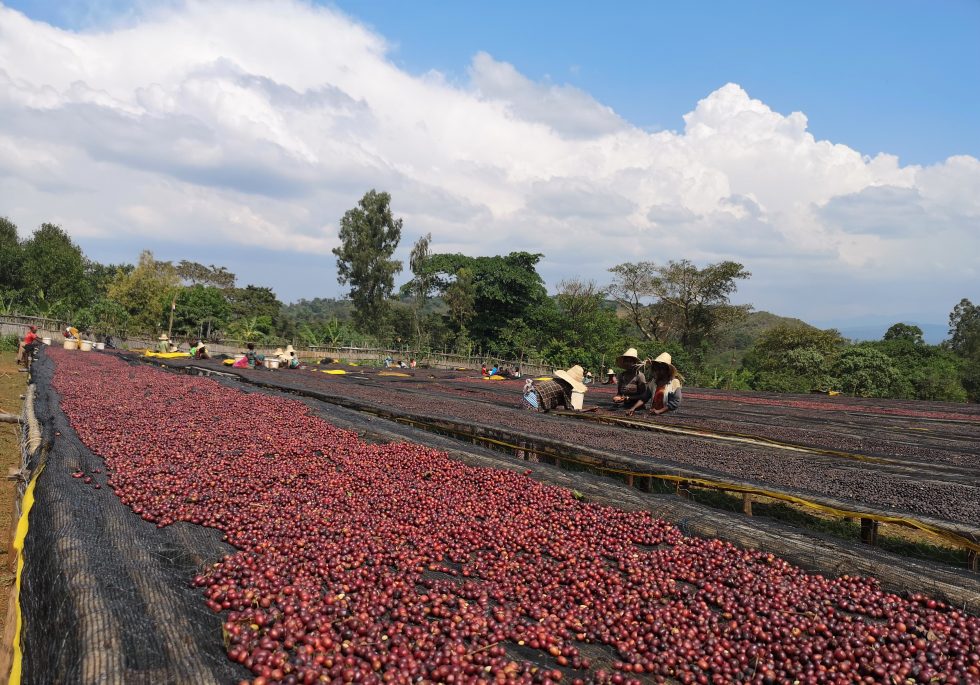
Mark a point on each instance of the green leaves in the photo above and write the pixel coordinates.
(369, 234)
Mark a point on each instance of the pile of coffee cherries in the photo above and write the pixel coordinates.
(393, 563)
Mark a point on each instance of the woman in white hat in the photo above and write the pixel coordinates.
(552, 394)
(632, 383)
(164, 344)
(665, 385)
(200, 351)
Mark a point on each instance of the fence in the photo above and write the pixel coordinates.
(14, 324)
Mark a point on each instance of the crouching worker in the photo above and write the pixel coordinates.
(164, 344)
(288, 358)
(251, 360)
(553, 393)
(665, 386)
(631, 388)
(200, 351)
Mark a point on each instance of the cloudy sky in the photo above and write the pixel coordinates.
(836, 156)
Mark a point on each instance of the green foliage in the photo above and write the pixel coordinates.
(792, 359)
(146, 293)
(201, 311)
(211, 275)
(331, 332)
(928, 372)
(964, 341)
(964, 329)
(865, 371)
(906, 332)
(678, 301)
(460, 297)
(54, 269)
(369, 234)
(98, 277)
(253, 302)
(724, 379)
(251, 329)
(504, 288)
(9, 343)
(11, 258)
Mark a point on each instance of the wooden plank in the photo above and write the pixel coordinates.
(747, 504)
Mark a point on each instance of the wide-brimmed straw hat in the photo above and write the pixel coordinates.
(163, 336)
(664, 358)
(628, 359)
(574, 377)
(610, 372)
(289, 348)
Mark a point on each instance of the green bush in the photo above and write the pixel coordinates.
(9, 343)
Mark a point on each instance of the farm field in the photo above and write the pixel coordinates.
(345, 560)
(908, 462)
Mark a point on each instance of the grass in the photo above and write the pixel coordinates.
(12, 385)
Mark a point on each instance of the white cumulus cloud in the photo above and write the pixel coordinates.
(200, 125)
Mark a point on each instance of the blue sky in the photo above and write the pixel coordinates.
(901, 76)
(831, 147)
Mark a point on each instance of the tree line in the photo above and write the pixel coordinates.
(496, 306)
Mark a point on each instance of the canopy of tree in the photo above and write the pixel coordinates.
(496, 305)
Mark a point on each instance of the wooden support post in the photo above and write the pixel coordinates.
(973, 561)
(680, 489)
(629, 479)
(747, 504)
(645, 484)
(869, 531)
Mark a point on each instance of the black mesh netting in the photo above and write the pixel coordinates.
(106, 595)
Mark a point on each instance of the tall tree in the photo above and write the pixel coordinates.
(964, 340)
(211, 275)
(505, 288)
(369, 235)
(964, 329)
(678, 301)
(146, 293)
(460, 297)
(201, 311)
(11, 259)
(54, 268)
(422, 281)
(789, 358)
(632, 289)
(254, 300)
(904, 331)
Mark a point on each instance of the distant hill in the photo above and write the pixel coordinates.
(732, 346)
(932, 333)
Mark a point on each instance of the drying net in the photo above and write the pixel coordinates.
(105, 595)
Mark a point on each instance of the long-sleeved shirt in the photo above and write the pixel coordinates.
(631, 383)
(668, 395)
(552, 394)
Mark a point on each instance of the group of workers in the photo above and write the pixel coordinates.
(660, 388)
(400, 364)
(501, 370)
(252, 359)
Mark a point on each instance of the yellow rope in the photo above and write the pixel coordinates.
(18, 545)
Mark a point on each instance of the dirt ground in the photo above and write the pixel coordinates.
(12, 386)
